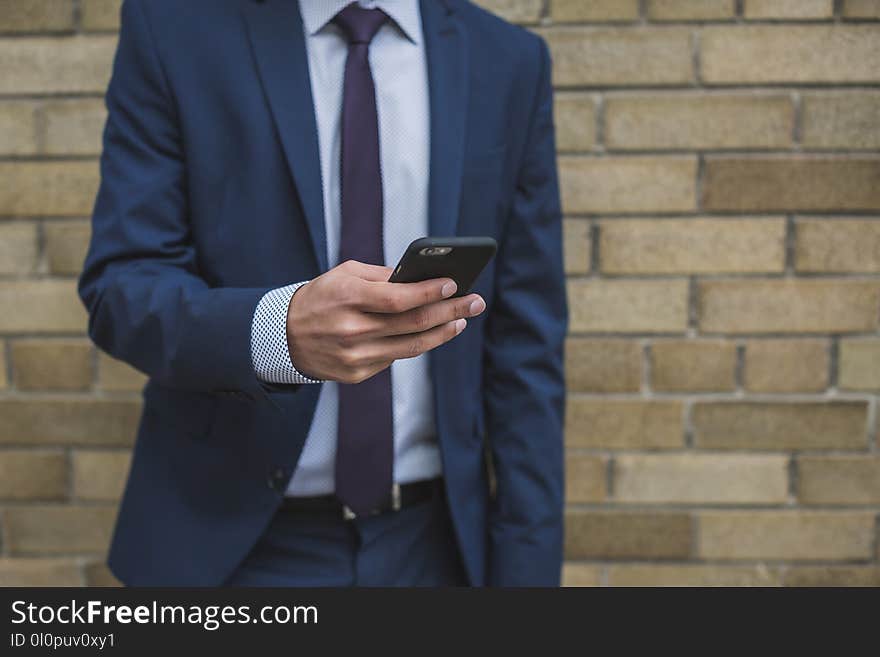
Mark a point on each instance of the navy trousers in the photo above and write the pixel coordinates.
(411, 547)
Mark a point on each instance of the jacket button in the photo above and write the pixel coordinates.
(277, 479)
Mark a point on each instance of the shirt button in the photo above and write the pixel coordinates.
(277, 479)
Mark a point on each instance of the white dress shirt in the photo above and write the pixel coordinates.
(397, 59)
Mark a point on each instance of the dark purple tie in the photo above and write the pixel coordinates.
(365, 447)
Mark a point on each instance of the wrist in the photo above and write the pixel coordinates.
(292, 347)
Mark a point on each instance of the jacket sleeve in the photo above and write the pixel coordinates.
(525, 388)
(147, 303)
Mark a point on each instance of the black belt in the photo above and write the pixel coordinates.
(399, 497)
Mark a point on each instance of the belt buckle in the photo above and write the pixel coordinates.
(348, 514)
(395, 497)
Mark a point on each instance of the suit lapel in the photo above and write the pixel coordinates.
(446, 51)
(276, 33)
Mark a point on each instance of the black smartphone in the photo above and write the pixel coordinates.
(459, 258)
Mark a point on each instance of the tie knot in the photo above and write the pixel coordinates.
(360, 25)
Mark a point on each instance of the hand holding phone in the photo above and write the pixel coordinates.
(352, 322)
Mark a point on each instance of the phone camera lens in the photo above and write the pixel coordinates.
(435, 250)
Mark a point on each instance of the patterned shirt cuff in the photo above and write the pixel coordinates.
(269, 352)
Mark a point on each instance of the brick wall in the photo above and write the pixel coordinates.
(720, 171)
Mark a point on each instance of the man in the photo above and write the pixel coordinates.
(306, 422)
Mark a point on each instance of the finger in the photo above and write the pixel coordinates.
(410, 346)
(376, 273)
(427, 317)
(383, 297)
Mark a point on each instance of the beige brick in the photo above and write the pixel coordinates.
(691, 575)
(32, 475)
(789, 306)
(575, 122)
(692, 246)
(39, 572)
(116, 376)
(98, 574)
(36, 15)
(838, 245)
(623, 424)
(789, 9)
(581, 575)
(99, 475)
(681, 366)
(48, 188)
(618, 57)
(701, 478)
(577, 246)
(593, 11)
(839, 480)
(62, 421)
(780, 183)
(780, 425)
(764, 54)
(515, 11)
(861, 8)
(59, 529)
(627, 535)
(42, 306)
(603, 365)
(848, 120)
(690, 10)
(859, 364)
(66, 245)
(74, 127)
(785, 535)
(584, 478)
(52, 364)
(628, 184)
(18, 248)
(75, 64)
(833, 576)
(18, 128)
(628, 306)
(786, 366)
(100, 14)
(690, 121)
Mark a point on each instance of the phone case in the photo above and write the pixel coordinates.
(459, 258)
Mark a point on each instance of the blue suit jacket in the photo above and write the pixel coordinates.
(211, 195)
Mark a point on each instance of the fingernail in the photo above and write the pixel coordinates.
(477, 306)
(448, 289)
(459, 325)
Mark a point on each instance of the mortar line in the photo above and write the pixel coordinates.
(595, 254)
(77, 17)
(833, 362)
(696, 60)
(790, 246)
(793, 480)
(600, 126)
(739, 368)
(797, 127)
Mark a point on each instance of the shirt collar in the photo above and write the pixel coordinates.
(405, 13)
